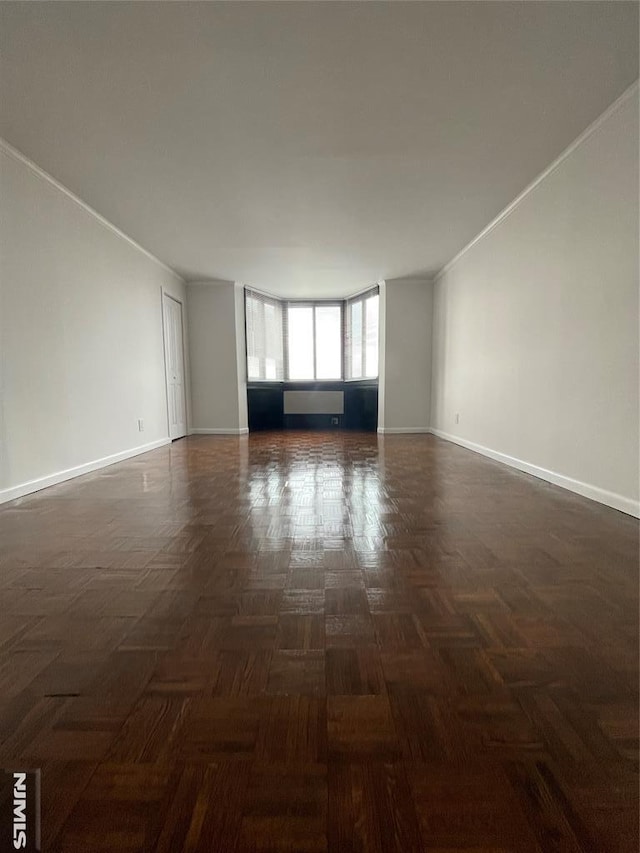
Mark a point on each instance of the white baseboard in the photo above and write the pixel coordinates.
(402, 430)
(220, 431)
(31, 486)
(595, 493)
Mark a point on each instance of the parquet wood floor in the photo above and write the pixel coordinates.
(316, 642)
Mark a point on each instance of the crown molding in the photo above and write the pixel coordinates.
(411, 279)
(22, 158)
(209, 282)
(589, 131)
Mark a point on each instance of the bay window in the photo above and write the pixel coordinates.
(300, 341)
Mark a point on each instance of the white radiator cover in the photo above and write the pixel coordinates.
(313, 402)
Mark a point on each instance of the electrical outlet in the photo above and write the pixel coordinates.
(140, 425)
(457, 417)
(334, 421)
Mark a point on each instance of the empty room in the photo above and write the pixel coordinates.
(319, 426)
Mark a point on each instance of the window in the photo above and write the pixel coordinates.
(314, 340)
(328, 339)
(264, 337)
(300, 353)
(361, 345)
(309, 341)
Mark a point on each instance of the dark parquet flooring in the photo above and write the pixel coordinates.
(307, 642)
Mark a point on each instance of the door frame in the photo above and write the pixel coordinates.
(165, 293)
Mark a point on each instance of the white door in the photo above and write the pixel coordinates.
(174, 366)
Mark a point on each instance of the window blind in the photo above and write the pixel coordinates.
(265, 338)
(361, 336)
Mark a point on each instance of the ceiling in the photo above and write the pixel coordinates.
(306, 148)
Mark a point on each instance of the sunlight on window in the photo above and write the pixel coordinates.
(300, 341)
(328, 342)
(253, 367)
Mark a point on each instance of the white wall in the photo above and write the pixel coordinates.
(215, 311)
(536, 325)
(81, 335)
(404, 388)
